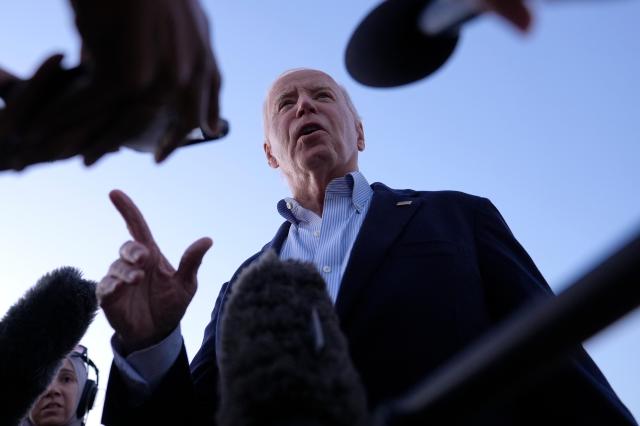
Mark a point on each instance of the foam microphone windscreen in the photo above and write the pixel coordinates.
(37, 333)
(283, 358)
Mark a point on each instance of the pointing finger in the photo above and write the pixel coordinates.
(136, 224)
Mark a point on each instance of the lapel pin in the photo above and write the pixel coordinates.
(404, 203)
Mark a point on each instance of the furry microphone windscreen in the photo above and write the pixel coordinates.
(283, 358)
(37, 333)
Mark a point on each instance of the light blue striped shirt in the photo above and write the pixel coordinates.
(327, 241)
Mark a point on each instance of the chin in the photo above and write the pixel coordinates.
(319, 161)
(53, 420)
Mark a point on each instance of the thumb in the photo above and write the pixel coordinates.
(191, 260)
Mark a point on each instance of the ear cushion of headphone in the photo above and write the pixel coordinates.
(87, 398)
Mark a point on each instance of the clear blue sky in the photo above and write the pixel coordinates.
(546, 125)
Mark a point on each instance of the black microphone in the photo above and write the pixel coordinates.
(283, 358)
(402, 41)
(37, 332)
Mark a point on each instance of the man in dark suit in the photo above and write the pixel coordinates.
(415, 277)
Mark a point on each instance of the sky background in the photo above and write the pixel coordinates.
(546, 125)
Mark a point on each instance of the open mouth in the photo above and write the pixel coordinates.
(52, 406)
(308, 129)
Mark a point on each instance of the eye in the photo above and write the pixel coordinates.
(285, 103)
(66, 379)
(324, 95)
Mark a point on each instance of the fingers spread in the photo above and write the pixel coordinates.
(136, 224)
(191, 260)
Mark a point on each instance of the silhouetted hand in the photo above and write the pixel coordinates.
(6, 80)
(161, 50)
(148, 73)
(143, 296)
(32, 128)
(59, 113)
(514, 11)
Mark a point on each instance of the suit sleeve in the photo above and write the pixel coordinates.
(511, 278)
(170, 403)
(577, 392)
(185, 396)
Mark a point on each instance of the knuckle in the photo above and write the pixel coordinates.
(105, 288)
(120, 268)
(115, 265)
(104, 282)
(125, 246)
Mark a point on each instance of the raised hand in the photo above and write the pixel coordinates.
(45, 120)
(6, 80)
(161, 51)
(143, 296)
(148, 73)
(514, 11)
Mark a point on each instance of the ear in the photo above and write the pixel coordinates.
(360, 134)
(271, 160)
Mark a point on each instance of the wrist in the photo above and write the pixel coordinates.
(128, 344)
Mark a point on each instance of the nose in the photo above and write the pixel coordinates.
(53, 390)
(305, 105)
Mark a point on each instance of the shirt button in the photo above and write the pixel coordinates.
(316, 233)
(326, 268)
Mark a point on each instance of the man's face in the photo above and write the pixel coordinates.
(58, 403)
(309, 127)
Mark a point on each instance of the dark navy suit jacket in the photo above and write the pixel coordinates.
(429, 273)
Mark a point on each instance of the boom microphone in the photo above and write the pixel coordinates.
(38, 332)
(402, 41)
(283, 358)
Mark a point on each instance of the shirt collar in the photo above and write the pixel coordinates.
(353, 184)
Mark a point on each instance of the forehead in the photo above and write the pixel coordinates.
(295, 81)
(67, 367)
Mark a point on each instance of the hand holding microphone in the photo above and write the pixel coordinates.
(402, 41)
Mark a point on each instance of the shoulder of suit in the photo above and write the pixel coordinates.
(432, 196)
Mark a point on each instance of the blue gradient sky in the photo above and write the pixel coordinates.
(546, 125)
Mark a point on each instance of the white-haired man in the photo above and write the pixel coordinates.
(415, 277)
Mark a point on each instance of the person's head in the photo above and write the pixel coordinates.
(311, 126)
(57, 406)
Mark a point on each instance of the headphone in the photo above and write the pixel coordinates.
(90, 389)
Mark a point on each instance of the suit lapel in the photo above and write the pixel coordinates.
(387, 216)
(276, 243)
